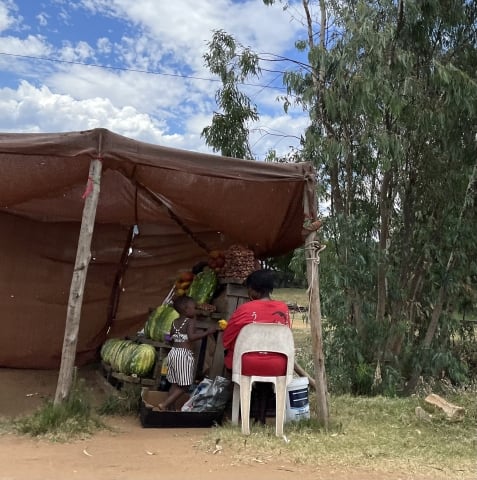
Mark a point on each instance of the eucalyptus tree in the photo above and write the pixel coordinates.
(390, 90)
(391, 93)
(229, 130)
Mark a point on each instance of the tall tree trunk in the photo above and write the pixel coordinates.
(75, 302)
(385, 213)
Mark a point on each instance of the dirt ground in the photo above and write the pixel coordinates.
(130, 451)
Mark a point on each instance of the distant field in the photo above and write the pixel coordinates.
(296, 296)
(291, 295)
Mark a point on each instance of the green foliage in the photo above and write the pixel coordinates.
(233, 63)
(125, 402)
(392, 135)
(391, 92)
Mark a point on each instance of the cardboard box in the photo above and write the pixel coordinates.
(152, 417)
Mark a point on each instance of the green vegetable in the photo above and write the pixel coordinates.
(159, 322)
(128, 357)
(203, 286)
(142, 360)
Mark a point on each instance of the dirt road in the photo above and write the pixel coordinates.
(132, 452)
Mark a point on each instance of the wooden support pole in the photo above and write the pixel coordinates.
(75, 301)
(303, 373)
(312, 250)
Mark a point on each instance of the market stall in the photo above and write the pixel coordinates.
(146, 211)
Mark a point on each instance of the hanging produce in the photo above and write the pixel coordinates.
(183, 283)
(203, 286)
(239, 263)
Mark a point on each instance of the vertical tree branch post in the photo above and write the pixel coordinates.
(312, 271)
(75, 301)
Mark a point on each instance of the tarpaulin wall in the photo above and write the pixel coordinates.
(179, 203)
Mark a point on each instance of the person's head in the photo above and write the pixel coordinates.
(185, 305)
(260, 284)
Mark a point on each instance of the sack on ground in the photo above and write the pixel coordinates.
(209, 396)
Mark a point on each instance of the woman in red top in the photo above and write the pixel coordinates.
(261, 308)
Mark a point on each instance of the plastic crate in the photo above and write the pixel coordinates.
(152, 417)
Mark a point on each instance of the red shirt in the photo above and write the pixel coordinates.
(264, 311)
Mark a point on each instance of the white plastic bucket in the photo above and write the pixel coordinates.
(298, 405)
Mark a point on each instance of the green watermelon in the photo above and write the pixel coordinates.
(159, 322)
(106, 349)
(142, 360)
(203, 286)
(125, 358)
(117, 354)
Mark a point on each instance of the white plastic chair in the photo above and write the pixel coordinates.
(261, 337)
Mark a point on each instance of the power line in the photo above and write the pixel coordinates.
(135, 70)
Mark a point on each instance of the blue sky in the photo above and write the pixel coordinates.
(156, 88)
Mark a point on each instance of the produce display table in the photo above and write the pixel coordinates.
(209, 352)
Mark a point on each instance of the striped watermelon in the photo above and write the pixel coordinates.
(142, 360)
(106, 349)
(128, 357)
(159, 322)
(125, 357)
(117, 354)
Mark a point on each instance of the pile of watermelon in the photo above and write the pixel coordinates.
(131, 358)
(128, 357)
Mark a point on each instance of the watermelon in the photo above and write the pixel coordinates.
(142, 360)
(159, 322)
(106, 349)
(117, 353)
(124, 359)
(203, 286)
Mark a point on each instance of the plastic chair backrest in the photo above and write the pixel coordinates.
(264, 337)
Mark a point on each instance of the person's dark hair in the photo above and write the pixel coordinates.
(181, 302)
(262, 281)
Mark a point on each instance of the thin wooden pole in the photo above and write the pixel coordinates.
(75, 302)
(312, 251)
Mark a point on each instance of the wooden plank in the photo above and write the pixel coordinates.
(75, 301)
(126, 378)
(236, 290)
(217, 367)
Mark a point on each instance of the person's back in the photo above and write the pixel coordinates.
(271, 311)
(263, 309)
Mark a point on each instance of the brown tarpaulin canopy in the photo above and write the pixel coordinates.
(183, 204)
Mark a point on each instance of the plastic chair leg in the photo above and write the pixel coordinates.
(235, 404)
(245, 392)
(280, 398)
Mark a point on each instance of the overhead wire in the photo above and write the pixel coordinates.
(148, 72)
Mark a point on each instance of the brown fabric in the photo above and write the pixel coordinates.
(183, 203)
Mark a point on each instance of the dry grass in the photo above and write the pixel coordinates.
(379, 433)
(292, 295)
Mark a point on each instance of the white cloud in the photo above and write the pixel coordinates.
(42, 19)
(29, 106)
(7, 15)
(168, 38)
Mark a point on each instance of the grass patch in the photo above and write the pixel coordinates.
(71, 419)
(125, 402)
(376, 433)
(75, 417)
(292, 295)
